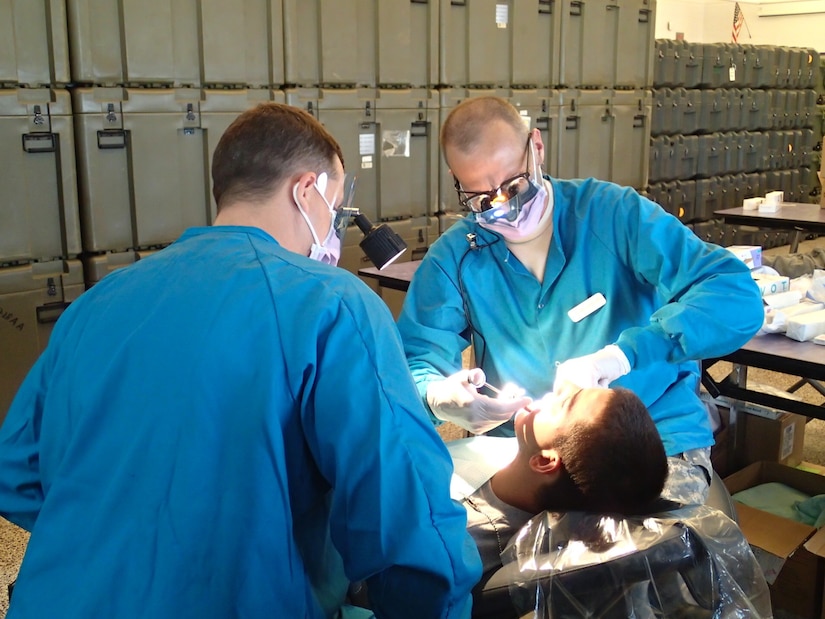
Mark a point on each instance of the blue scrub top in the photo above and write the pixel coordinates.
(228, 429)
(672, 299)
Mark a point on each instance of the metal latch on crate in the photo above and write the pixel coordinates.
(41, 140)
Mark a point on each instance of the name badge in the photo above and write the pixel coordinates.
(587, 307)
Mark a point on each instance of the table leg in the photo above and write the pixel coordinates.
(817, 385)
(797, 236)
(739, 376)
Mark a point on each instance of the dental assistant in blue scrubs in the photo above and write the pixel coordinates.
(565, 280)
(228, 428)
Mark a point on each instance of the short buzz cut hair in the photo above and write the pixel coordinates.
(266, 145)
(616, 463)
(467, 121)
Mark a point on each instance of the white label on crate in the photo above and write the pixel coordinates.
(787, 441)
(525, 118)
(366, 144)
(732, 73)
(502, 15)
(366, 162)
(395, 143)
(587, 307)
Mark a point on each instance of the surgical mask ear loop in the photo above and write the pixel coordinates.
(303, 214)
(535, 168)
(321, 187)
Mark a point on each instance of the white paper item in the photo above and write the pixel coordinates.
(776, 320)
(816, 291)
(782, 299)
(751, 204)
(769, 207)
(751, 255)
(807, 326)
(771, 284)
(774, 197)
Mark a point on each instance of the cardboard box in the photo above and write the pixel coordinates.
(778, 440)
(811, 467)
(771, 284)
(792, 554)
(758, 409)
(751, 255)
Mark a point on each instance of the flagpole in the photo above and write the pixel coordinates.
(745, 22)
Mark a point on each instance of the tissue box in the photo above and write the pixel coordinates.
(771, 284)
(751, 255)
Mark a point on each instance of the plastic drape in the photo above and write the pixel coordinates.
(692, 562)
(689, 561)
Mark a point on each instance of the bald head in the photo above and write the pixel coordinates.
(466, 126)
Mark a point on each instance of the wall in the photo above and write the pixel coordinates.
(710, 21)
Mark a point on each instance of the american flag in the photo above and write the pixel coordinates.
(738, 20)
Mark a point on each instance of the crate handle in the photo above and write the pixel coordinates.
(51, 312)
(419, 129)
(39, 143)
(111, 138)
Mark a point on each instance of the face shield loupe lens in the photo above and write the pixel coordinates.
(345, 213)
(381, 244)
(506, 200)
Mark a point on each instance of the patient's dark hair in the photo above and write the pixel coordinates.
(615, 464)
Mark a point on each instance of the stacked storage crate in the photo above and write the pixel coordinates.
(155, 84)
(39, 228)
(111, 111)
(730, 122)
(579, 72)
(367, 71)
(819, 130)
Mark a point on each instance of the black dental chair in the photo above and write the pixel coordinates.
(676, 574)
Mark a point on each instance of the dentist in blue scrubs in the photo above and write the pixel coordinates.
(557, 280)
(228, 428)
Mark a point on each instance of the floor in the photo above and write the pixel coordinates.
(13, 540)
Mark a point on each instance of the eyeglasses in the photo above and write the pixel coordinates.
(480, 201)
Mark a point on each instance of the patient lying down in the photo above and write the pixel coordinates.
(594, 450)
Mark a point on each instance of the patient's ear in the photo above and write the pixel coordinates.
(546, 461)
